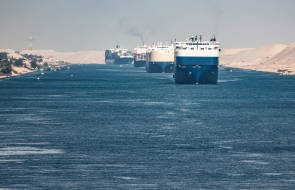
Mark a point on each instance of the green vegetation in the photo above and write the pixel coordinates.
(18, 62)
(33, 57)
(6, 62)
(5, 67)
(34, 60)
(34, 63)
(3, 55)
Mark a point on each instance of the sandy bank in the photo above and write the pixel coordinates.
(52, 58)
(277, 58)
(79, 57)
(19, 72)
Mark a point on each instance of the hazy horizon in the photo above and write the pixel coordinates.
(73, 25)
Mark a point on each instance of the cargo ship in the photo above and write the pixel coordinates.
(109, 56)
(196, 61)
(160, 58)
(140, 56)
(118, 56)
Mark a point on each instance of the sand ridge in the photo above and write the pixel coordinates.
(78, 57)
(277, 58)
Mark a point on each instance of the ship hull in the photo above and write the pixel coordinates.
(123, 61)
(201, 70)
(159, 67)
(109, 61)
(139, 63)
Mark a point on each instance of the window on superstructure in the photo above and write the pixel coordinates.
(202, 48)
(209, 48)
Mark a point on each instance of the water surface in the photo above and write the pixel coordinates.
(111, 127)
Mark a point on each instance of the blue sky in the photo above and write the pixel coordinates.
(71, 25)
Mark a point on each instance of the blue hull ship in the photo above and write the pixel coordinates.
(196, 61)
(202, 70)
(123, 60)
(159, 67)
(118, 56)
(139, 63)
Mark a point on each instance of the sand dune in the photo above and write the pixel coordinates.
(79, 57)
(285, 57)
(277, 58)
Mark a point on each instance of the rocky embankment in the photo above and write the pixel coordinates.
(277, 58)
(13, 63)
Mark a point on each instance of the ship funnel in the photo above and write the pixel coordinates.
(200, 38)
(117, 46)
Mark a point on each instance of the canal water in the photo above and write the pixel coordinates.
(112, 127)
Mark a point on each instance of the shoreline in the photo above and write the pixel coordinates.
(223, 66)
(286, 73)
(261, 71)
(18, 74)
(275, 58)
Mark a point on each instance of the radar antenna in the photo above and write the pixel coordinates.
(200, 38)
(196, 38)
(213, 39)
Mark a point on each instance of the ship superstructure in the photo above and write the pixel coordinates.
(196, 61)
(140, 56)
(109, 56)
(160, 58)
(118, 56)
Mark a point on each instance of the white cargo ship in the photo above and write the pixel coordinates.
(196, 61)
(160, 58)
(140, 56)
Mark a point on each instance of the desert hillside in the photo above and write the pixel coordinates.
(79, 57)
(277, 58)
(13, 63)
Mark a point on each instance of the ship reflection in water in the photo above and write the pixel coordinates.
(111, 127)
